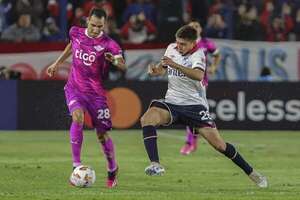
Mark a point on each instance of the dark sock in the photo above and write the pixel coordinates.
(112, 175)
(150, 137)
(232, 154)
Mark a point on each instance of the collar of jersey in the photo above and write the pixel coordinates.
(86, 33)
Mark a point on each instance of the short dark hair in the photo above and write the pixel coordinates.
(98, 12)
(194, 20)
(187, 32)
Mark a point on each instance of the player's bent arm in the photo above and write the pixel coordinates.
(215, 62)
(64, 55)
(157, 70)
(192, 73)
(120, 63)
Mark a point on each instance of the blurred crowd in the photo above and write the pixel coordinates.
(140, 21)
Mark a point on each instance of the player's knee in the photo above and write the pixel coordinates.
(148, 119)
(102, 137)
(78, 116)
(220, 146)
(76, 140)
(143, 120)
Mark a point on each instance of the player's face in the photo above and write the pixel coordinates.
(196, 26)
(95, 25)
(184, 46)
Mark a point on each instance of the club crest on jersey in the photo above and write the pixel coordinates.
(98, 48)
(87, 58)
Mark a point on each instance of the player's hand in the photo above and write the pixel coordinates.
(166, 61)
(109, 57)
(212, 69)
(153, 70)
(52, 69)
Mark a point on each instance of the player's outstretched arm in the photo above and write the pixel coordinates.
(63, 56)
(215, 64)
(192, 73)
(116, 61)
(156, 70)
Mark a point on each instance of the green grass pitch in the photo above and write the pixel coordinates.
(37, 165)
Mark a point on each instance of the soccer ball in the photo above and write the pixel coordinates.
(83, 176)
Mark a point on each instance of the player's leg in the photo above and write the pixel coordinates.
(191, 141)
(76, 135)
(213, 137)
(108, 149)
(153, 117)
(76, 108)
(101, 119)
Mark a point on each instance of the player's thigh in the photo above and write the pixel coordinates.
(213, 137)
(155, 116)
(75, 103)
(100, 114)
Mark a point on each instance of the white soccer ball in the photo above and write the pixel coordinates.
(83, 176)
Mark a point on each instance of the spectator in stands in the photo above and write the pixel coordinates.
(8, 74)
(144, 6)
(113, 32)
(286, 15)
(4, 9)
(266, 15)
(225, 8)
(22, 31)
(297, 25)
(277, 31)
(169, 19)
(247, 24)
(104, 4)
(216, 27)
(199, 11)
(138, 30)
(51, 31)
(265, 74)
(79, 18)
(53, 8)
(35, 8)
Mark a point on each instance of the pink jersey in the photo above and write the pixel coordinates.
(89, 65)
(209, 47)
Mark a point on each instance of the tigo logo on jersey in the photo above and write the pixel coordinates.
(87, 59)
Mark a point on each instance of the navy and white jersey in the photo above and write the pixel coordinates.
(181, 89)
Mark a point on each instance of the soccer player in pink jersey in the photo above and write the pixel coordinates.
(209, 47)
(92, 52)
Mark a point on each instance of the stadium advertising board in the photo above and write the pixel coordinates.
(241, 61)
(234, 105)
(255, 105)
(8, 105)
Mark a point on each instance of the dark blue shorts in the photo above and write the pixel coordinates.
(196, 116)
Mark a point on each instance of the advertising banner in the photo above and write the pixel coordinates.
(237, 105)
(241, 61)
(8, 105)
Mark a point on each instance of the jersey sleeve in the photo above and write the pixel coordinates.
(169, 49)
(114, 49)
(72, 32)
(198, 60)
